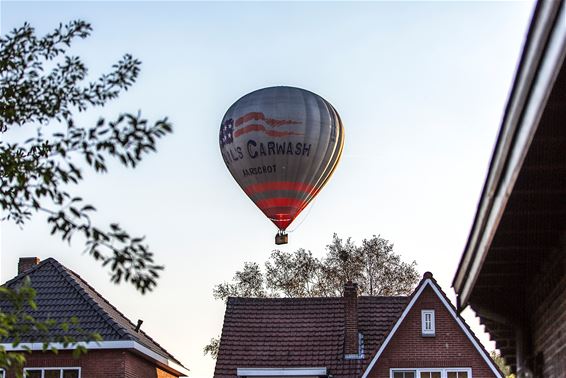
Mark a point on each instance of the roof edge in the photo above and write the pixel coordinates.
(543, 52)
(75, 280)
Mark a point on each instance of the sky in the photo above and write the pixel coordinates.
(420, 88)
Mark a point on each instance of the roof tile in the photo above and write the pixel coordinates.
(62, 294)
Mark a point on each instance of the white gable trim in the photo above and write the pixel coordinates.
(281, 372)
(427, 282)
(478, 347)
(93, 345)
(395, 327)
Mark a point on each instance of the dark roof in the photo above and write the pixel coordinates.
(301, 332)
(62, 294)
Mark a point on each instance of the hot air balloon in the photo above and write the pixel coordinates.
(281, 145)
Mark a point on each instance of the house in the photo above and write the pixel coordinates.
(125, 351)
(416, 336)
(513, 269)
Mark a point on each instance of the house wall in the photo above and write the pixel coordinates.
(137, 367)
(548, 322)
(449, 348)
(97, 364)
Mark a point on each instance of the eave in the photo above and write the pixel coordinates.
(541, 62)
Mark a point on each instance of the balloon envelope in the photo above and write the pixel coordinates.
(281, 145)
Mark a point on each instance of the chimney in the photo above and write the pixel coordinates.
(351, 339)
(27, 263)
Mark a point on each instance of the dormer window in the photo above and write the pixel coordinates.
(427, 319)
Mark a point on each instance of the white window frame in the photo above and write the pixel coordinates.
(404, 371)
(425, 331)
(2, 373)
(443, 371)
(282, 372)
(43, 369)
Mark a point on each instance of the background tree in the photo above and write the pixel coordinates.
(500, 362)
(41, 86)
(374, 265)
(247, 282)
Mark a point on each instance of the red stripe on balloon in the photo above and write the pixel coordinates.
(279, 185)
(257, 127)
(259, 116)
(248, 129)
(294, 203)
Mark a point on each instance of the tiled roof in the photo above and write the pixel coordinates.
(301, 332)
(62, 294)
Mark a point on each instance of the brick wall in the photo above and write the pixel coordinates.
(547, 296)
(449, 348)
(98, 364)
(137, 367)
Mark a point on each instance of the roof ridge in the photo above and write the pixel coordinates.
(21, 275)
(67, 274)
(267, 299)
(70, 272)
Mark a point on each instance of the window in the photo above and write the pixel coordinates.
(404, 374)
(457, 374)
(427, 318)
(431, 373)
(65, 372)
(2, 375)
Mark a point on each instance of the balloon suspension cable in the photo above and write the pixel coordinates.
(281, 237)
(305, 216)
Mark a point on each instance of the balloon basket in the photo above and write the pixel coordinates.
(281, 238)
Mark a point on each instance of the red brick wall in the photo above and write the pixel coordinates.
(547, 297)
(137, 367)
(98, 364)
(449, 348)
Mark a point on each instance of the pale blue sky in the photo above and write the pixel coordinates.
(420, 86)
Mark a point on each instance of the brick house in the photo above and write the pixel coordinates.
(416, 336)
(513, 269)
(125, 352)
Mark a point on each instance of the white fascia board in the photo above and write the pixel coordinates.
(395, 327)
(281, 372)
(163, 360)
(450, 309)
(541, 62)
(472, 339)
(93, 345)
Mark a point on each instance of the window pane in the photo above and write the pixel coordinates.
(425, 375)
(463, 374)
(33, 374)
(452, 374)
(435, 375)
(52, 373)
(404, 374)
(71, 373)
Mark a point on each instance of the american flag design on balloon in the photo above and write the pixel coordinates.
(281, 145)
(255, 122)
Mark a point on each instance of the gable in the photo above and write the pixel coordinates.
(452, 346)
(62, 294)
